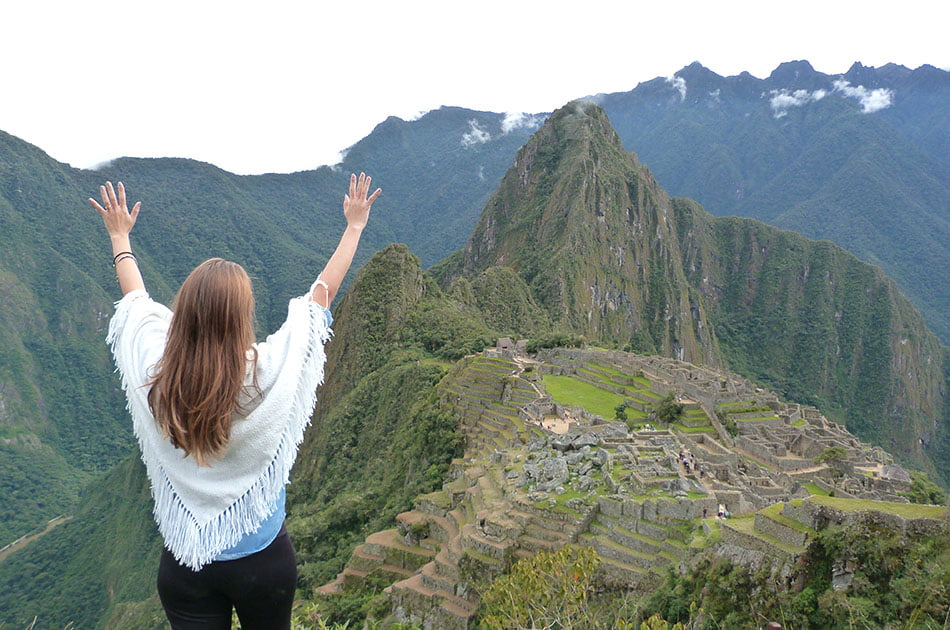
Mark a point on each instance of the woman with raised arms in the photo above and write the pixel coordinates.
(219, 418)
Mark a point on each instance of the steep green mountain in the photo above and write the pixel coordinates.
(437, 172)
(608, 254)
(862, 159)
(591, 233)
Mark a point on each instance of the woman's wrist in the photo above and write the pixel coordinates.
(120, 242)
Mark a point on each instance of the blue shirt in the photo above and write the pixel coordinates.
(258, 540)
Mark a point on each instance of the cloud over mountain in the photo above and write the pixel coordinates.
(520, 120)
(870, 100)
(475, 135)
(679, 84)
(783, 99)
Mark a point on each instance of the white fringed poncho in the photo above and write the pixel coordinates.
(201, 511)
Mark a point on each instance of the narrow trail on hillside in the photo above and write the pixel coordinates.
(25, 540)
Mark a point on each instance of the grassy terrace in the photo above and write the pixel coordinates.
(634, 385)
(560, 502)
(608, 369)
(569, 391)
(815, 489)
(904, 510)
(774, 512)
(639, 380)
(746, 525)
(741, 406)
(703, 429)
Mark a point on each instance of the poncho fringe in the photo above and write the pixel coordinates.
(192, 544)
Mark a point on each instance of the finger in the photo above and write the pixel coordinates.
(352, 185)
(346, 202)
(366, 180)
(121, 195)
(98, 208)
(105, 196)
(112, 198)
(135, 210)
(375, 194)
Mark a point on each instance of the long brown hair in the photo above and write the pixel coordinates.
(201, 375)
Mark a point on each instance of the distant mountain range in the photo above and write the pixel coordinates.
(861, 159)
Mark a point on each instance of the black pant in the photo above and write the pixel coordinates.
(260, 586)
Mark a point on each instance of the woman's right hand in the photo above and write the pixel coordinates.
(115, 214)
(356, 205)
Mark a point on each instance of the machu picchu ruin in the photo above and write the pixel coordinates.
(566, 446)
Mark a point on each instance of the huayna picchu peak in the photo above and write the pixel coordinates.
(590, 231)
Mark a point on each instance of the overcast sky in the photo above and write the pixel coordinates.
(282, 86)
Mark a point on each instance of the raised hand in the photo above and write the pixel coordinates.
(115, 214)
(356, 205)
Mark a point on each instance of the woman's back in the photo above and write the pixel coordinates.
(219, 419)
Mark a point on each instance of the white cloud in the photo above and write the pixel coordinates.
(679, 83)
(475, 135)
(417, 115)
(784, 99)
(871, 100)
(102, 165)
(517, 120)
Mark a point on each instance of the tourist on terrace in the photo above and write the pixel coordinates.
(219, 417)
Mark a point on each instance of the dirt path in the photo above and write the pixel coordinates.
(23, 541)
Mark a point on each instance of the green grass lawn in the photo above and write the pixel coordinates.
(815, 489)
(569, 391)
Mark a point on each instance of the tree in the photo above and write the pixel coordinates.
(668, 410)
(923, 490)
(620, 412)
(547, 590)
(836, 458)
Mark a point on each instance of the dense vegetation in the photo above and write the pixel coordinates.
(897, 582)
(36, 485)
(107, 553)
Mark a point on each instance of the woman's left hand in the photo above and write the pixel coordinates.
(356, 203)
(115, 213)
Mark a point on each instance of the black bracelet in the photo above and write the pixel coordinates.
(115, 258)
(120, 258)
